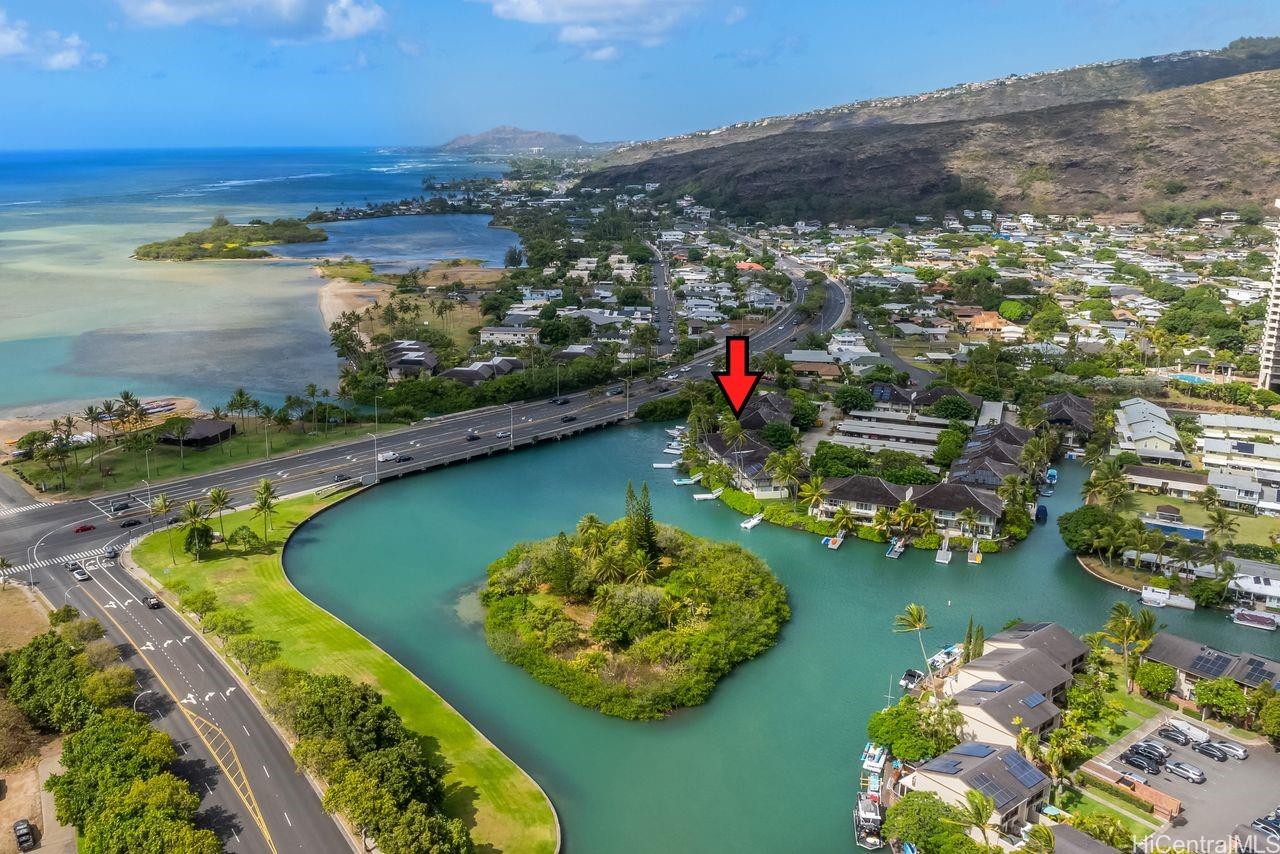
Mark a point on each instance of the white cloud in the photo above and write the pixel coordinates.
(735, 15)
(287, 20)
(49, 50)
(596, 27)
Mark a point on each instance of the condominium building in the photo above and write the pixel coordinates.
(1269, 354)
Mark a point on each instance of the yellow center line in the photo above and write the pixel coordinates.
(244, 790)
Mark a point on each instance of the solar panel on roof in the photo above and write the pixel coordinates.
(943, 766)
(1258, 671)
(986, 686)
(1035, 627)
(989, 787)
(1033, 699)
(1022, 770)
(973, 748)
(1211, 663)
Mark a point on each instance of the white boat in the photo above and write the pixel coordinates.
(867, 821)
(1158, 597)
(674, 451)
(873, 757)
(1254, 619)
(676, 432)
(665, 465)
(708, 496)
(897, 546)
(911, 678)
(748, 524)
(835, 542)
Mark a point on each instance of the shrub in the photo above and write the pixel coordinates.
(988, 547)
(961, 543)
(1120, 793)
(927, 542)
(875, 535)
(1155, 678)
(1079, 526)
(745, 504)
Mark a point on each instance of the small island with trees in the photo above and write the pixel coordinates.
(632, 618)
(225, 240)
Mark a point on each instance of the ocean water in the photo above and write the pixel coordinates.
(80, 320)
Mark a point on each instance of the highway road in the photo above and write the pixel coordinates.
(251, 792)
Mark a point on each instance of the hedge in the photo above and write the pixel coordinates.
(988, 547)
(1120, 793)
(736, 499)
(782, 514)
(872, 534)
(927, 542)
(961, 543)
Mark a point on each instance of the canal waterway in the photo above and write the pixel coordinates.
(768, 763)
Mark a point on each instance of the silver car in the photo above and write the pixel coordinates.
(1185, 770)
(1153, 745)
(1239, 751)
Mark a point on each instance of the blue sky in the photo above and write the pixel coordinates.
(148, 73)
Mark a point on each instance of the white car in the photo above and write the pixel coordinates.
(503, 434)
(672, 376)
(1185, 770)
(80, 575)
(686, 369)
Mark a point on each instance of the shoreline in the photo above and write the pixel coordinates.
(338, 295)
(14, 427)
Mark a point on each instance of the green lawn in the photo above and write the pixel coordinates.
(1077, 803)
(510, 812)
(1253, 529)
(128, 468)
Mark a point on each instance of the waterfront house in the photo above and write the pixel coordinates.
(765, 409)
(1010, 664)
(1064, 648)
(1071, 414)
(996, 711)
(1147, 430)
(1015, 785)
(200, 433)
(1166, 481)
(747, 462)
(477, 372)
(863, 495)
(408, 358)
(1194, 661)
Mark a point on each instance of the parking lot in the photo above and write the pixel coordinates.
(1234, 792)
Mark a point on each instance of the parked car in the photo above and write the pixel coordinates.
(1128, 777)
(1177, 736)
(80, 575)
(84, 529)
(1147, 751)
(568, 419)
(130, 523)
(1142, 763)
(1185, 770)
(1192, 732)
(24, 835)
(1159, 748)
(151, 602)
(1208, 748)
(1266, 827)
(1235, 751)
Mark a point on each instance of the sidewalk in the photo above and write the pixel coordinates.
(55, 838)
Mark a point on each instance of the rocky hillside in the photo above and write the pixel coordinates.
(1216, 140)
(513, 140)
(1119, 79)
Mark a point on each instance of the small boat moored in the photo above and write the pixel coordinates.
(897, 546)
(1051, 476)
(748, 524)
(1254, 619)
(867, 821)
(910, 679)
(1042, 514)
(835, 542)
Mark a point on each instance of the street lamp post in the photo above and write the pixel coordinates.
(374, 436)
(511, 433)
(139, 697)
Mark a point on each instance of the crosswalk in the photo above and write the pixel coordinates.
(14, 511)
(25, 567)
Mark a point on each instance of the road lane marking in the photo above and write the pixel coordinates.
(286, 818)
(265, 771)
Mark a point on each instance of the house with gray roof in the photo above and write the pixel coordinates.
(1195, 661)
(998, 710)
(1064, 648)
(1011, 664)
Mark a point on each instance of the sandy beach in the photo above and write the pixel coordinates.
(339, 295)
(15, 428)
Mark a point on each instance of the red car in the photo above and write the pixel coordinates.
(84, 529)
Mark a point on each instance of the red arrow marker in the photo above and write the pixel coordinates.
(737, 383)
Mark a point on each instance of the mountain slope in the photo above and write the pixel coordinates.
(1120, 79)
(512, 140)
(1213, 140)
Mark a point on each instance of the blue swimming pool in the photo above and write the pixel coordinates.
(1191, 378)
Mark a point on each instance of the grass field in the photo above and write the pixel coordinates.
(508, 811)
(21, 617)
(1253, 529)
(127, 468)
(1078, 803)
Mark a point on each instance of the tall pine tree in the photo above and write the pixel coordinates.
(632, 532)
(648, 535)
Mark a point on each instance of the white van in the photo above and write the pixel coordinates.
(1194, 733)
(389, 457)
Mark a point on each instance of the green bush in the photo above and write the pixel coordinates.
(1079, 526)
(871, 534)
(988, 547)
(927, 542)
(1191, 713)
(736, 499)
(1120, 793)
(781, 513)
(961, 543)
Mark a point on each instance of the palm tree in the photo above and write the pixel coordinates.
(311, 391)
(1129, 632)
(914, 618)
(1108, 540)
(968, 519)
(109, 413)
(882, 521)
(162, 506)
(219, 502)
(812, 492)
(192, 517)
(1209, 499)
(1222, 525)
(1040, 840)
(844, 519)
(974, 813)
(783, 467)
(264, 504)
(1029, 744)
(266, 414)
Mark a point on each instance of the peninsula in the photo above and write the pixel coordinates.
(226, 240)
(632, 618)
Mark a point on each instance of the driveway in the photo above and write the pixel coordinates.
(918, 375)
(1235, 792)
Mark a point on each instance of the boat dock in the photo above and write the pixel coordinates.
(687, 481)
(665, 465)
(944, 551)
(708, 496)
(897, 546)
(835, 542)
